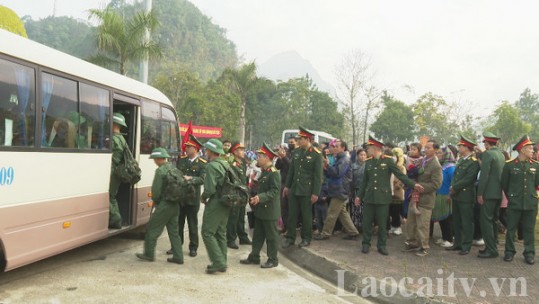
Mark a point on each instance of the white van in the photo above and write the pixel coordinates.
(319, 136)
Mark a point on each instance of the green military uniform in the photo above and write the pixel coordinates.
(492, 162)
(375, 194)
(118, 146)
(304, 180)
(196, 169)
(267, 212)
(215, 213)
(520, 179)
(236, 220)
(463, 197)
(165, 214)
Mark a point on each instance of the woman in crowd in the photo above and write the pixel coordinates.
(442, 207)
(358, 169)
(395, 208)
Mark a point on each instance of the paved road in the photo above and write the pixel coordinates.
(108, 272)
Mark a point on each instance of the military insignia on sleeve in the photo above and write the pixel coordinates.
(316, 150)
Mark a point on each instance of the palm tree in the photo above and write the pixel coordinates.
(121, 41)
(241, 80)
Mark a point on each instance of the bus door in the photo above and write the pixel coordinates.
(129, 108)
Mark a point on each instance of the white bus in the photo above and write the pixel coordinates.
(319, 136)
(55, 154)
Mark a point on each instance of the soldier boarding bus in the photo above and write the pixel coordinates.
(55, 149)
(319, 136)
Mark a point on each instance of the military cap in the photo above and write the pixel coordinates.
(236, 145)
(374, 142)
(305, 133)
(214, 145)
(194, 142)
(159, 153)
(490, 137)
(524, 141)
(118, 118)
(465, 141)
(265, 149)
(76, 118)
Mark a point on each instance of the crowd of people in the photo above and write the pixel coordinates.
(473, 194)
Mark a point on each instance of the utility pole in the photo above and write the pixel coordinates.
(143, 72)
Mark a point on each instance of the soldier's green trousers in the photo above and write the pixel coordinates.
(235, 227)
(191, 213)
(489, 228)
(214, 232)
(115, 218)
(165, 214)
(299, 205)
(265, 230)
(528, 219)
(463, 224)
(378, 214)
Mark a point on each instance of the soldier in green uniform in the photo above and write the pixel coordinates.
(194, 169)
(267, 210)
(463, 196)
(215, 213)
(236, 220)
(489, 193)
(165, 214)
(375, 193)
(303, 185)
(520, 179)
(118, 146)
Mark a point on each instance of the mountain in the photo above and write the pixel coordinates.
(290, 64)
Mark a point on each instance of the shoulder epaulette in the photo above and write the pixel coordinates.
(183, 156)
(508, 161)
(316, 150)
(534, 161)
(368, 158)
(473, 158)
(273, 169)
(202, 160)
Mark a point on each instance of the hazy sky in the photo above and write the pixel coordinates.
(480, 51)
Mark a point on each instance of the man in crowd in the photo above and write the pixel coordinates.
(165, 214)
(489, 193)
(375, 193)
(191, 165)
(216, 213)
(118, 146)
(339, 177)
(236, 220)
(430, 178)
(520, 179)
(283, 164)
(303, 185)
(267, 210)
(462, 193)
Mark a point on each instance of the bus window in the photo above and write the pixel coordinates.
(288, 135)
(95, 110)
(150, 137)
(169, 131)
(17, 104)
(59, 101)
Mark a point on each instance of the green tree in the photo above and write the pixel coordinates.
(508, 125)
(528, 107)
(395, 123)
(121, 41)
(241, 80)
(11, 22)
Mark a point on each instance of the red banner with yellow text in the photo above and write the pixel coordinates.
(202, 131)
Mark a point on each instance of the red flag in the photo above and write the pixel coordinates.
(185, 138)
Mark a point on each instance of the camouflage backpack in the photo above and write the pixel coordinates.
(177, 188)
(129, 171)
(233, 192)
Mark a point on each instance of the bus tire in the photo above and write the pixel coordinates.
(2, 258)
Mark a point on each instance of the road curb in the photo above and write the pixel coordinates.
(349, 280)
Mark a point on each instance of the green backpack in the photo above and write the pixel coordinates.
(129, 171)
(177, 188)
(233, 192)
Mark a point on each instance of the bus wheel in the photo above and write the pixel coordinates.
(2, 258)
